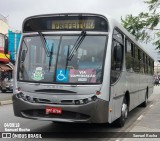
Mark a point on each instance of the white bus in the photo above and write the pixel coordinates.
(79, 67)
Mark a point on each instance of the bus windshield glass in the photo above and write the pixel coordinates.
(76, 59)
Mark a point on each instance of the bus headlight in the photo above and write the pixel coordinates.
(85, 101)
(20, 95)
(24, 97)
(94, 98)
(35, 100)
(77, 102)
(28, 98)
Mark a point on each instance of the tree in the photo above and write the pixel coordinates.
(145, 26)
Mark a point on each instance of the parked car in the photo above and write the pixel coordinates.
(156, 82)
(7, 85)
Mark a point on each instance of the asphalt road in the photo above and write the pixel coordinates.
(7, 116)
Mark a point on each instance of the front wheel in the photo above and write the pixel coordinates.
(124, 114)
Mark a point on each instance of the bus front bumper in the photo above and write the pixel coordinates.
(92, 112)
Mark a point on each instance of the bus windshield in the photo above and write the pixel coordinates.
(65, 62)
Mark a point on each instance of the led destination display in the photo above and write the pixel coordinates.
(73, 24)
(65, 23)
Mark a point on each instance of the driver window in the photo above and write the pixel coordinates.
(117, 56)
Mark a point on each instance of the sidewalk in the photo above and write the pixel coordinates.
(149, 121)
(5, 98)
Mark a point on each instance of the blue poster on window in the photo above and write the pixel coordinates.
(62, 76)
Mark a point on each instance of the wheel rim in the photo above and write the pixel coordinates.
(124, 110)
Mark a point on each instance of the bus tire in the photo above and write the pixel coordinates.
(124, 114)
(144, 104)
(3, 91)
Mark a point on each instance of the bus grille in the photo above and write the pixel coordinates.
(65, 115)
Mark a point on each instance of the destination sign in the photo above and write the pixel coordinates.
(65, 23)
(73, 24)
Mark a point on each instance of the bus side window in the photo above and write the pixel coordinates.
(136, 61)
(128, 56)
(141, 62)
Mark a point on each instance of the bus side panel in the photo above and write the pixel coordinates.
(143, 87)
(132, 80)
(150, 91)
(146, 81)
(151, 85)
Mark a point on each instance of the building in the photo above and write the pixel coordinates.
(3, 32)
(14, 39)
(3, 25)
(5, 65)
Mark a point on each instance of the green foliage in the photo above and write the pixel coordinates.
(157, 42)
(153, 4)
(144, 26)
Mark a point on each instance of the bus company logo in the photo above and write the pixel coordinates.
(38, 74)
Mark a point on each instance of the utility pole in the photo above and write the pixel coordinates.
(15, 44)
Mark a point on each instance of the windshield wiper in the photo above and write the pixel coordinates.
(50, 57)
(76, 45)
(48, 52)
(67, 60)
(44, 44)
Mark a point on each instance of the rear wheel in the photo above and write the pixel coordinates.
(144, 104)
(124, 114)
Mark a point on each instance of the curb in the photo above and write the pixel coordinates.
(6, 102)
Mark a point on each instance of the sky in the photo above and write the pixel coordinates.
(17, 10)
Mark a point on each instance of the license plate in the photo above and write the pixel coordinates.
(53, 110)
